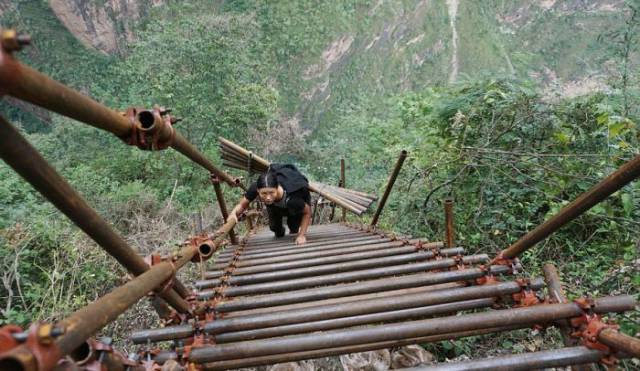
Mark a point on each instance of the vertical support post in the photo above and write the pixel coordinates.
(333, 212)
(315, 210)
(199, 221)
(448, 219)
(223, 206)
(556, 295)
(18, 153)
(343, 185)
(387, 191)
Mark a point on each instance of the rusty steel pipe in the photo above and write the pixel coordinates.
(164, 356)
(614, 182)
(298, 356)
(266, 240)
(345, 277)
(18, 153)
(448, 219)
(345, 322)
(557, 295)
(27, 84)
(287, 250)
(287, 242)
(289, 245)
(523, 362)
(320, 246)
(344, 185)
(351, 289)
(393, 248)
(620, 342)
(265, 235)
(521, 317)
(328, 268)
(324, 235)
(362, 307)
(185, 331)
(324, 312)
(82, 324)
(334, 251)
(223, 209)
(387, 191)
(345, 299)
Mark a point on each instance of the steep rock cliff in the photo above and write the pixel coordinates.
(103, 25)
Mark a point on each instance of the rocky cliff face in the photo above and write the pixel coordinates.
(103, 25)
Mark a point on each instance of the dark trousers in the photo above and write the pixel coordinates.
(275, 220)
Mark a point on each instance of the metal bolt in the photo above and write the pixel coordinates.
(20, 337)
(47, 332)
(57, 331)
(105, 340)
(12, 41)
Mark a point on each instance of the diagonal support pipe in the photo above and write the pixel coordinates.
(614, 182)
(16, 151)
(387, 191)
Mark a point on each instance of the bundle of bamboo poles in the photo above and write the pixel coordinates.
(237, 157)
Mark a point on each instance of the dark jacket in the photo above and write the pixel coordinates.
(292, 181)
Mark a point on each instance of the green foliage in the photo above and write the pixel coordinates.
(510, 157)
(511, 160)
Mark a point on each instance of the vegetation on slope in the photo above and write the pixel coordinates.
(339, 79)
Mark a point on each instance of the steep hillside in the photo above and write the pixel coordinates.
(513, 107)
(335, 56)
(390, 47)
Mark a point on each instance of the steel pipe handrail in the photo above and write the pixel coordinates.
(85, 322)
(27, 84)
(614, 182)
(18, 153)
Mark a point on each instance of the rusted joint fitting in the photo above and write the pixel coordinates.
(8, 337)
(214, 179)
(197, 341)
(204, 247)
(459, 263)
(38, 350)
(488, 278)
(150, 129)
(219, 291)
(96, 353)
(148, 363)
(513, 264)
(209, 315)
(527, 296)
(587, 328)
(155, 259)
(11, 41)
(176, 318)
(437, 255)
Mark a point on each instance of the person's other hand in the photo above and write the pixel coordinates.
(301, 240)
(232, 216)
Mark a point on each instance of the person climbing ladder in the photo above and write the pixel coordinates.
(284, 190)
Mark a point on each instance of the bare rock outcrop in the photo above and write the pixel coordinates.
(103, 25)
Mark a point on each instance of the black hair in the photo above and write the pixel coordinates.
(268, 179)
